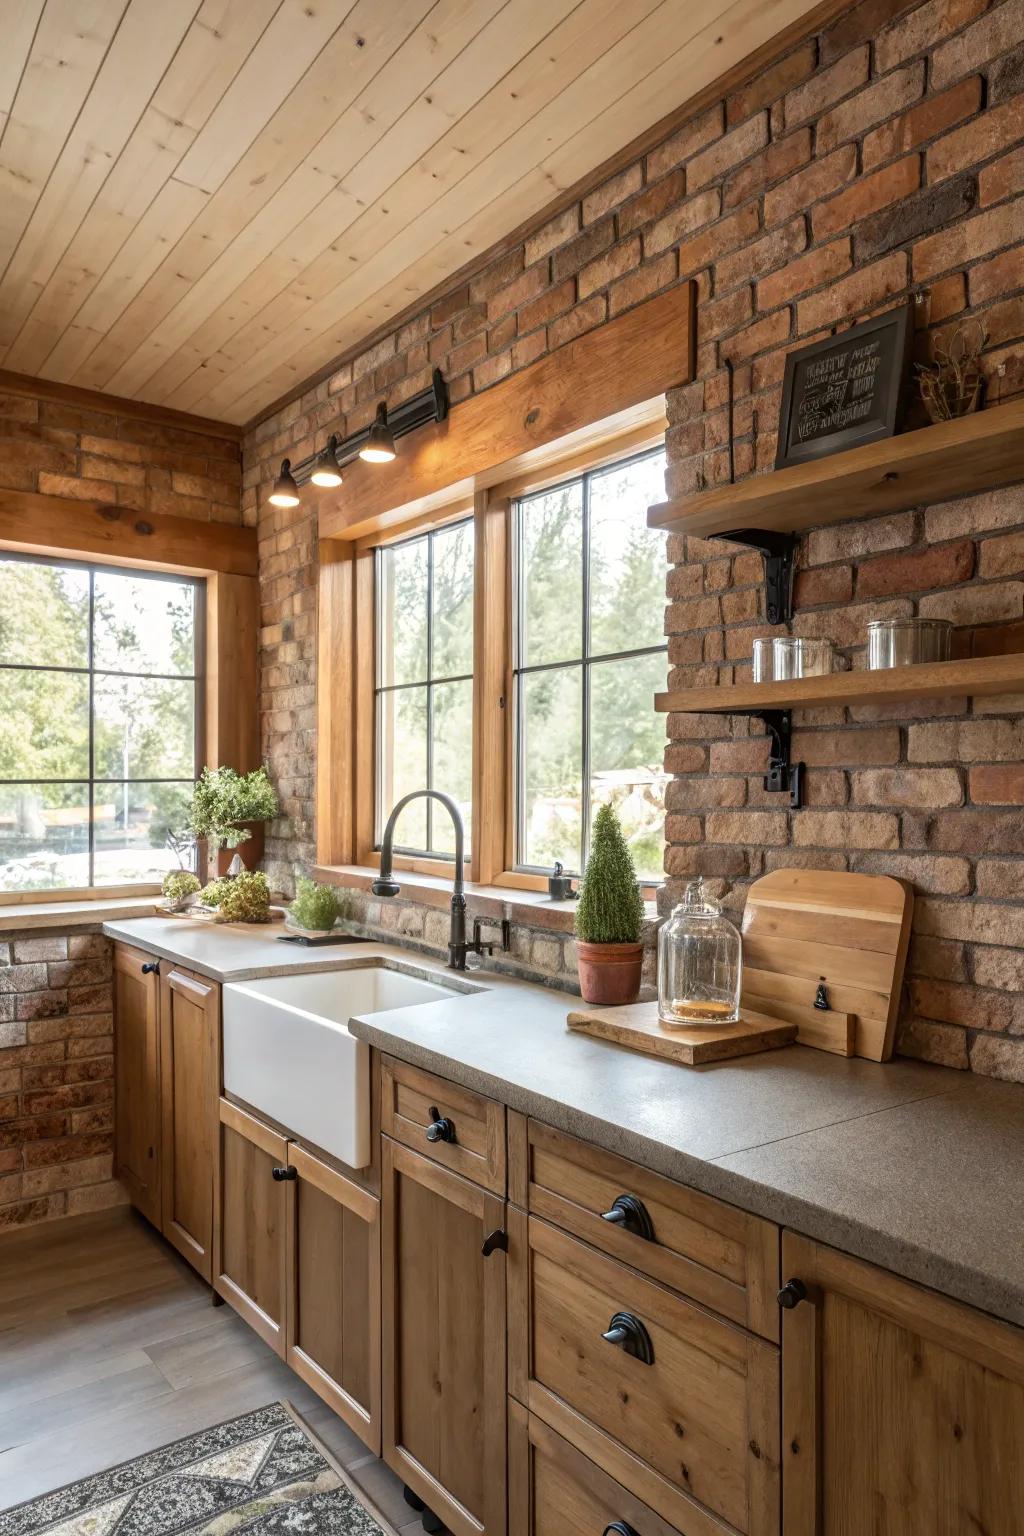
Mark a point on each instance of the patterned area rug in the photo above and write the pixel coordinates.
(262, 1475)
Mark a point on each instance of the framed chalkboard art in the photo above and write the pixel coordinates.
(846, 390)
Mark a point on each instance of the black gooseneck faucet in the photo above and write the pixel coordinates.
(387, 885)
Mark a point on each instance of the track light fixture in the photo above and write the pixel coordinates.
(379, 447)
(285, 492)
(326, 472)
(374, 443)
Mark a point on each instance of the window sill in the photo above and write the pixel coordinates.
(38, 916)
(535, 909)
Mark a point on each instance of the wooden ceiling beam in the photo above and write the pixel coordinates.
(115, 405)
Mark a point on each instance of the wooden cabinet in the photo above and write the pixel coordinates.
(451, 1125)
(444, 1340)
(252, 1197)
(903, 1411)
(189, 1034)
(332, 1299)
(137, 1133)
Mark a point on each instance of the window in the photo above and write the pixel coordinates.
(424, 684)
(99, 703)
(589, 656)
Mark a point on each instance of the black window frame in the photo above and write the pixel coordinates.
(585, 662)
(197, 677)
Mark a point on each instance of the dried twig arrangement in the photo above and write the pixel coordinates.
(951, 386)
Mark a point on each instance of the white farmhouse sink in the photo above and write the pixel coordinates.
(289, 1053)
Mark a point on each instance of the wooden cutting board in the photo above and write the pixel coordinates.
(636, 1026)
(807, 927)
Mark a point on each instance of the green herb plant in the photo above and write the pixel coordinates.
(180, 883)
(316, 907)
(223, 798)
(611, 908)
(245, 899)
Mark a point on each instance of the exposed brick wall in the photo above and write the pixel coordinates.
(61, 449)
(877, 159)
(56, 1076)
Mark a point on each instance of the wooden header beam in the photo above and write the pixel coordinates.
(115, 405)
(539, 414)
(34, 524)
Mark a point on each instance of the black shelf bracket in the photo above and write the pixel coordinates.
(779, 552)
(784, 777)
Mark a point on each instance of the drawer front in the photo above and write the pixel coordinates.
(701, 1411)
(470, 1138)
(555, 1490)
(720, 1256)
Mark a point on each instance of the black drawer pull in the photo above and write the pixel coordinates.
(440, 1127)
(792, 1294)
(632, 1215)
(618, 1528)
(284, 1175)
(629, 1332)
(495, 1240)
(151, 968)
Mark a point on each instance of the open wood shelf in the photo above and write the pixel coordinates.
(930, 680)
(937, 463)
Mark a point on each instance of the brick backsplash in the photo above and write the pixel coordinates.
(56, 1076)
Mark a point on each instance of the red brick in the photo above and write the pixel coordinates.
(583, 318)
(724, 235)
(1002, 557)
(828, 584)
(753, 828)
(944, 1045)
(651, 203)
(919, 32)
(570, 258)
(819, 266)
(771, 251)
(447, 308)
(780, 158)
(611, 193)
(867, 195)
(854, 116)
(739, 144)
(976, 832)
(686, 141)
(554, 233)
(947, 297)
(683, 220)
(929, 118)
(539, 311)
(978, 140)
(523, 288)
(859, 24)
(998, 30)
(998, 784)
(771, 83)
(845, 749)
(1004, 179)
(1005, 321)
(492, 370)
(914, 788)
(820, 178)
(497, 275)
(845, 829)
(825, 88)
(758, 337)
(861, 291)
(941, 566)
(615, 263)
(641, 284)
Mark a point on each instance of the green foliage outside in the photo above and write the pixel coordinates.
(180, 883)
(610, 908)
(222, 798)
(316, 907)
(245, 899)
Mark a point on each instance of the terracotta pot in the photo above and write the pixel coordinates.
(250, 852)
(609, 973)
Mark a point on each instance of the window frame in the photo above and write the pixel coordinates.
(346, 806)
(92, 567)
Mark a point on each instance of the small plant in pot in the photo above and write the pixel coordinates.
(316, 908)
(227, 812)
(180, 889)
(609, 918)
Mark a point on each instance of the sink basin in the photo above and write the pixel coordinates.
(288, 1051)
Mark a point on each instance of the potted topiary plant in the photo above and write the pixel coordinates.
(227, 812)
(609, 918)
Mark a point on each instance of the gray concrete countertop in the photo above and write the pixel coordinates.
(912, 1167)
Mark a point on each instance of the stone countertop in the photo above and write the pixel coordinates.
(913, 1167)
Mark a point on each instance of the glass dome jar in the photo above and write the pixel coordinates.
(699, 964)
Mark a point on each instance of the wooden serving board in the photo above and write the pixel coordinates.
(805, 927)
(636, 1026)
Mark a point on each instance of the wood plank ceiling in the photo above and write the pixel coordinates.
(202, 204)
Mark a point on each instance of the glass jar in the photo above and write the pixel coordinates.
(699, 964)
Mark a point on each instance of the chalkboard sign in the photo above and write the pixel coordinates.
(846, 390)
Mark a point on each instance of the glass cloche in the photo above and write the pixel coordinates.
(699, 963)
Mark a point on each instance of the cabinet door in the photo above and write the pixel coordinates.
(189, 1020)
(137, 1079)
(252, 1209)
(902, 1411)
(333, 1303)
(444, 1341)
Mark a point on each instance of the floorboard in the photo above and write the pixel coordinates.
(109, 1348)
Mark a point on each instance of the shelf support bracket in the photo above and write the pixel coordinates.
(779, 553)
(783, 776)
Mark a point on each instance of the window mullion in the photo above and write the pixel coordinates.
(585, 684)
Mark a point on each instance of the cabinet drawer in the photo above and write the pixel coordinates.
(554, 1490)
(722, 1257)
(413, 1101)
(696, 1422)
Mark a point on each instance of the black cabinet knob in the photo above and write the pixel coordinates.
(440, 1127)
(792, 1294)
(151, 968)
(493, 1241)
(284, 1175)
(630, 1334)
(632, 1215)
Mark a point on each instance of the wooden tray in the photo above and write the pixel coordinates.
(636, 1026)
(808, 927)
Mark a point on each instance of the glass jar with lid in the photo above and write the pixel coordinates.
(699, 963)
